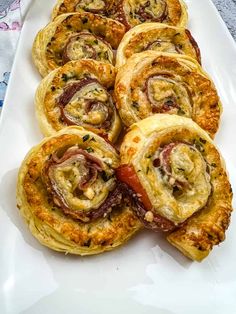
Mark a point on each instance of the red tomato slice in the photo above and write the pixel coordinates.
(127, 174)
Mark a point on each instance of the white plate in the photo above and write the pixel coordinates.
(145, 276)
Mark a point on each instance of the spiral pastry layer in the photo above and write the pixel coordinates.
(78, 93)
(134, 12)
(152, 82)
(70, 6)
(69, 196)
(157, 37)
(178, 176)
(76, 36)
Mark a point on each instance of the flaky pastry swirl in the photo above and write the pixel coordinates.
(70, 6)
(157, 37)
(78, 93)
(134, 12)
(68, 194)
(76, 36)
(178, 175)
(153, 82)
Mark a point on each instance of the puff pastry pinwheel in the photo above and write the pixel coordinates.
(158, 37)
(78, 93)
(134, 12)
(178, 176)
(69, 196)
(76, 36)
(69, 6)
(153, 82)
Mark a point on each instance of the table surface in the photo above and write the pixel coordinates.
(227, 9)
(11, 20)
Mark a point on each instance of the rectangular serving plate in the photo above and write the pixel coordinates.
(145, 276)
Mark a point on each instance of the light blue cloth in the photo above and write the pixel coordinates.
(11, 19)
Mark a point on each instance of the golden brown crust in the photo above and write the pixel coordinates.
(51, 42)
(53, 87)
(207, 226)
(178, 86)
(158, 37)
(134, 12)
(70, 6)
(48, 223)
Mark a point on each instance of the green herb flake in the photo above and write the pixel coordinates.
(202, 140)
(105, 176)
(85, 137)
(135, 105)
(105, 55)
(90, 149)
(199, 146)
(64, 77)
(181, 112)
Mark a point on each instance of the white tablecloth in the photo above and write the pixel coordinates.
(12, 14)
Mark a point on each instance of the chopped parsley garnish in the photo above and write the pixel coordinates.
(105, 55)
(135, 105)
(202, 140)
(199, 146)
(105, 176)
(181, 111)
(65, 78)
(90, 149)
(85, 137)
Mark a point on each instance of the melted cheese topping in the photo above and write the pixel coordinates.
(158, 37)
(66, 178)
(154, 82)
(187, 187)
(169, 95)
(88, 46)
(180, 183)
(168, 11)
(90, 5)
(98, 113)
(161, 45)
